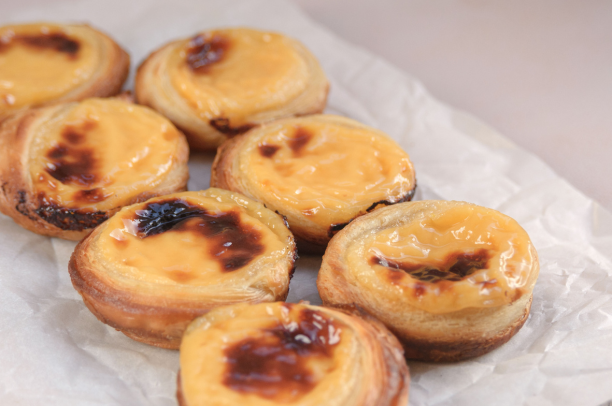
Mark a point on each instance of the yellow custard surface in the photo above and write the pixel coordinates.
(189, 239)
(42, 62)
(233, 73)
(326, 168)
(463, 256)
(100, 153)
(277, 353)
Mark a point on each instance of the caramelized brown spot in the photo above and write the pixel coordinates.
(223, 126)
(205, 50)
(76, 134)
(181, 276)
(230, 242)
(58, 41)
(455, 267)
(71, 164)
(300, 138)
(419, 289)
(268, 150)
(274, 365)
(90, 195)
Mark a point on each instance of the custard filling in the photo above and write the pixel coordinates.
(281, 353)
(329, 173)
(100, 154)
(195, 241)
(466, 256)
(230, 74)
(41, 62)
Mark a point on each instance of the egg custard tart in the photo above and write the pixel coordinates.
(66, 168)
(220, 83)
(44, 62)
(290, 354)
(155, 266)
(452, 280)
(320, 171)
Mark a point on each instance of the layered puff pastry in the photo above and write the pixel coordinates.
(290, 354)
(44, 63)
(66, 168)
(320, 171)
(220, 83)
(452, 280)
(155, 266)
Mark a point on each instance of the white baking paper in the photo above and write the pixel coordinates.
(53, 351)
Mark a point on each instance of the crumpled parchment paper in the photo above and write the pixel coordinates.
(53, 351)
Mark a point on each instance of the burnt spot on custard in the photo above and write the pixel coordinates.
(70, 163)
(300, 138)
(230, 242)
(57, 41)
(268, 150)
(455, 267)
(67, 218)
(273, 365)
(223, 126)
(206, 50)
(334, 228)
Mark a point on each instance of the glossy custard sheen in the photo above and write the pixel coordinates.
(277, 353)
(235, 73)
(41, 62)
(466, 256)
(187, 239)
(329, 171)
(100, 154)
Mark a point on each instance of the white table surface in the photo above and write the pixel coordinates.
(539, 71)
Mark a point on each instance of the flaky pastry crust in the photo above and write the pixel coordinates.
(361, 169)
(136, 271)
(31, 203)
(110, 67)
(444, 296)
(214, 115)
(298, 354)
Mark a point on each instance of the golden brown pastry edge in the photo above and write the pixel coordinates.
(201, 135)
(418, 342)
(18, 199)
(105, 83)
(310, 241)
(114, 306)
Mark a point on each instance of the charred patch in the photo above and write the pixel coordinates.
(334, 228)
(206, 50)
(223, 126)
(59, 42)
(268, 150)
(300, 138)
(21, 205)
(406, 198)
(72, 166)
(69, 219)
(231, 243)
(455, 267)
(274, 365)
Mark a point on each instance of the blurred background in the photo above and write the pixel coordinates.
(539, 71)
